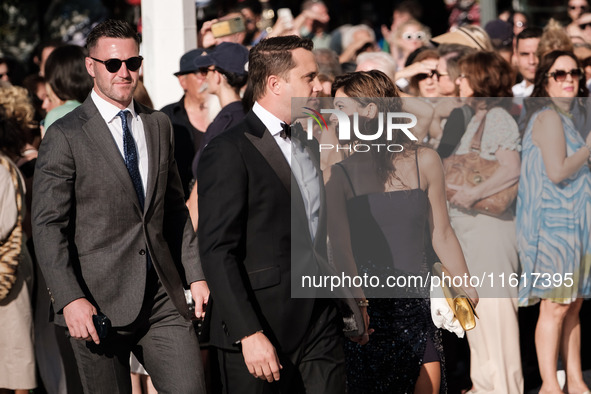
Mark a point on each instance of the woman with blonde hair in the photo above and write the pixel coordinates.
(553, 38)
(407, 38)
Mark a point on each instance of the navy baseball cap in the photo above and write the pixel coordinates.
(193, 61)
(231, 57)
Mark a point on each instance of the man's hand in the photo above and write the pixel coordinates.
(260, 357)
(200, 293)
(78, 315)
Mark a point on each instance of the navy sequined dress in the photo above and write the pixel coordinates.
(391, 226)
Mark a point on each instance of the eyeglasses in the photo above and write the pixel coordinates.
(560, 75)
(113, 65)
(583, 26)
(432, 74)
(203, 71)
(419, 35)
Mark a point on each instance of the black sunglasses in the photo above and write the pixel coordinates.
(560, 75)
(113, 65)
(432, 74)
(203, 71)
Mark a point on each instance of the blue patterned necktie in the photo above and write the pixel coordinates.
(131, 158)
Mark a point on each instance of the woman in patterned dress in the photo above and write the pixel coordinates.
(554, 218)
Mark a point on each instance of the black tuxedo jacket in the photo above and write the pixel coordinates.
(253, 235)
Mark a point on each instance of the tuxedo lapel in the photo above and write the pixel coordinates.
(264, 142)
(94, 126)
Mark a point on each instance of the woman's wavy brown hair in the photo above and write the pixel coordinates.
(375, 87)
(488, 73)
(490, 77)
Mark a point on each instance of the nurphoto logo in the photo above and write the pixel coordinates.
(348, 130)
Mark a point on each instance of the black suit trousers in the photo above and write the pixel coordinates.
(317, 365)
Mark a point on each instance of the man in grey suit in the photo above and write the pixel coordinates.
(112, 233)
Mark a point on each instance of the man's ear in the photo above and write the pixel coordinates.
(274, 84)
(183, 81)
(88, 62)
(371, 111)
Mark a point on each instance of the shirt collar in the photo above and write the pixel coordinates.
(271, 122)
(107, 110)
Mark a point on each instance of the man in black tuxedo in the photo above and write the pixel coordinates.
(262, 221)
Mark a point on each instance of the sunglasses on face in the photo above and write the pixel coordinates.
(419, 35)
(560, 75)
(203, 71)
(584, 25)
(113, 65)
(432, 74)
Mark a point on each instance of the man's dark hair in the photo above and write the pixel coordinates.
(236, 81)
(66, 73)
(111, 28)
(411, 7)
(528, 32)
(272, 56)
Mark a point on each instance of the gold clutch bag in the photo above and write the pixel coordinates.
(459, 302)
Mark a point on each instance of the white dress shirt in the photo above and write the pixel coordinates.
(521, 90)
(109, 113)
(301, 165)
(273, 124)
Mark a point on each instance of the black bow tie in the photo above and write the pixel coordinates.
(286, 131)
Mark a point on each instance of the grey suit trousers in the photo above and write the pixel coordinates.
(161, 339)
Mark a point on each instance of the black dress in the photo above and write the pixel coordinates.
(391, 227)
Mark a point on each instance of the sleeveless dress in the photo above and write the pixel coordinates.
(553, 225)
(391, 224)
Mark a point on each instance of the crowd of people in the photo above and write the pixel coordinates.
(164, 251)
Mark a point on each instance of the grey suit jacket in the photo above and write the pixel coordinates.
(90, 235)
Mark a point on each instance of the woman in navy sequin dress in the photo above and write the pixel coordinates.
(381, 207)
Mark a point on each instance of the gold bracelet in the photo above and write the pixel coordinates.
(364, 303)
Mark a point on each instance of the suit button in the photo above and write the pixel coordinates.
(142, 252)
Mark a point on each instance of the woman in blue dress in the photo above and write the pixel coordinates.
(554, 218)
